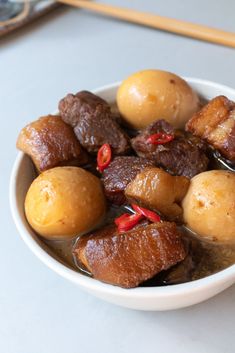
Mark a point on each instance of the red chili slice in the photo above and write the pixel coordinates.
(127, 221)
(120, 219)
(152, 216)
(160, 138)
(104, 157)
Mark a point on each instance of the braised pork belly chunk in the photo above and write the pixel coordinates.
(50, 142)
(129, 258)
(215, 123)
(120, 172)
(157, 190)
(181, 155)
(93, 123)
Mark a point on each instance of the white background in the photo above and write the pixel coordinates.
(65, 52)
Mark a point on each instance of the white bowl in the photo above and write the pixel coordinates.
(152, 298)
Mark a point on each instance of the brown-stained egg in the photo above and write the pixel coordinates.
(209, 206)
(151, 95)
(64, 202)
(50, 142)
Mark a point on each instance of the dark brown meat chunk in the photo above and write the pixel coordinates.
(120, 172)
(128, 259)
(185, 155)
(93, 122)
(157, 190)
(50, 142)
(215, 123)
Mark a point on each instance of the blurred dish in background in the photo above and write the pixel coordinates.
(15, 14)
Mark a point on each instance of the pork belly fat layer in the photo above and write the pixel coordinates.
(215, 123)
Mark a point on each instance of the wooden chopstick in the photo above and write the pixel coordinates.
(184, 28)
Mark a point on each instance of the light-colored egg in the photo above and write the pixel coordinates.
(64, 202)
(151, 95)
(209, 205)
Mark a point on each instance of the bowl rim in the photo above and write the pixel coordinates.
(90, 283)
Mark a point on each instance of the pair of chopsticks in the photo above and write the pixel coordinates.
(163, 23)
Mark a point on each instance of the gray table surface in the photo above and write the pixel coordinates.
(70, 50)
